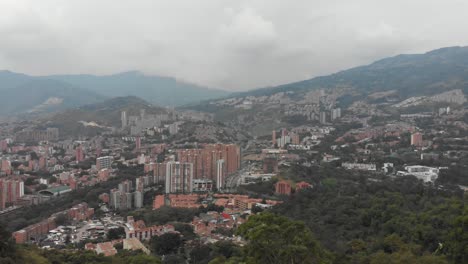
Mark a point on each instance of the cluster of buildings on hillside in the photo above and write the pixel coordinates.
(126, 196)
(285, 138)
(135, 233)
(138, 229)
(317, 105)
(424, 173)
(284, 187)
(235, 208)
(312, 136)
(391, 130)
(166, 123)
(196, 169)
(34, 232)
(35, 135)
(108, 248)
(11, 191)
(232, 202)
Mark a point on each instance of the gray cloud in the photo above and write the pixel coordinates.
(228, 44)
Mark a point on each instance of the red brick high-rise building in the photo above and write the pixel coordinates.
(205, 160)
(79, 154)
(10, 192)
(159, 172)
(273, 137)
(5, 166)
(42, 163)
(295, 140)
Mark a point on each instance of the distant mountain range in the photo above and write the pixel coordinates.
(409, 74)
(404, 75)
(404, 84)
(163, 91)
(23, 93)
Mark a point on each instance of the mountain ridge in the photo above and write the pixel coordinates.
(455, 55)
(164, 91)
(438, 78)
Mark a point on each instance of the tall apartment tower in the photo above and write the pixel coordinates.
(220, 174)
(273, 137)
(323, 117)
(79, 154)
(104, 162)
(138, 198)
(335, 113)
(138, 143)
(416, 139)
(159, 172)
(125, 186)
(10, 192)
(179, 177)
(114, 198)
(284, 132)
(205, 160)
(123, 119)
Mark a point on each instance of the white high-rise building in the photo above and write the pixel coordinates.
(220, 174)
(123, 118)
(138, 198)
(335, 113)
(104, 162)
(179, 177)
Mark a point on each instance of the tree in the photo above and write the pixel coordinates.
(458, 243)
(256, 209)
(143, 259)
(34, 156)
(227, 249)
(276, 239)
(116, 233)
(200, 254)
(41, 187)
(185, 230)
(61, 219)
(7, 247)
(166, 243)
(30, 181)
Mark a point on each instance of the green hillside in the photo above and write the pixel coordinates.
(411, 75)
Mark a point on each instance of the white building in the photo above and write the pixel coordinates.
(387, 167)
(359, 166)
(220, 174)
(104, 162)
(427, 174)
(138, 198)
(179, 177)
(335, 113)
(123, 119)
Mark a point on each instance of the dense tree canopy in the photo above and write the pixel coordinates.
(168, 243)
(277, 239)
(357, 217)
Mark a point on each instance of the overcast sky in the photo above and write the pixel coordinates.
(229, 44)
